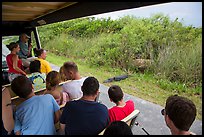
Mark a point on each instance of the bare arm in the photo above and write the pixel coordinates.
(62, 129)
(7, 112)
(15, 64)
(57, 116)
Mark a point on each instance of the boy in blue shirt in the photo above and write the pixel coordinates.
(37, 115)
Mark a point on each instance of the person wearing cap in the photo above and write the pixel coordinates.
(25, 50)
(179, 115)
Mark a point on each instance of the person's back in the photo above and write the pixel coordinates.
(85, 116)
(37, 78)
(122, 109)
(45, 68)
(37, 114)
(72, 88)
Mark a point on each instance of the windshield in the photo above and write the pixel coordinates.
(5, 51)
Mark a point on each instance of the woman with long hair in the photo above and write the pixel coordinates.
(14, 63)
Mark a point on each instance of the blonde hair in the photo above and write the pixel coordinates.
(52, 79)
(62, 74)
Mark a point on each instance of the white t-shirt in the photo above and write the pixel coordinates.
(73, 88)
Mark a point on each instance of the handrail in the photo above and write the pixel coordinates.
(7, 85)
(40, 90)
(132, 115)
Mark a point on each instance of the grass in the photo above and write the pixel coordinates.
(144, 86)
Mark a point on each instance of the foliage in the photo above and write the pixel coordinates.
(8, 40)
(174, 49)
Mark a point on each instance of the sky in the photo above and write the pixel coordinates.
(188, 13)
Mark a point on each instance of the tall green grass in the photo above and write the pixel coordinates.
(177, 64)
(181, 65)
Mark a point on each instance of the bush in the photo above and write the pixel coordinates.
(173, 49)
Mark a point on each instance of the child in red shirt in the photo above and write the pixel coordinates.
(122, 108)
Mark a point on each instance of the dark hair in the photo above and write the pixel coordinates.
(21, 86)
(70, 66)
(115, 93)
(34, 66)
(118, 128)
(12, 45)
(52, 79)
(38, 52)
(181, 111)
(90, 86)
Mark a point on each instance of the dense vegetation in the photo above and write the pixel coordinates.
(175, 51)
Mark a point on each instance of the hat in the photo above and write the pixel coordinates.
(25, 35)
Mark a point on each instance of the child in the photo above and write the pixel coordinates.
(52, 86)
(37, 78)
(122, 108)
(37, 115)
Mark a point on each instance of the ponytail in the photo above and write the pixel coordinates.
(12, 45)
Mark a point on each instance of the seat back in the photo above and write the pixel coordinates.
(130, 120)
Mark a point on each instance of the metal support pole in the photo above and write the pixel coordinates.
(37, 39)
(137, 124)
